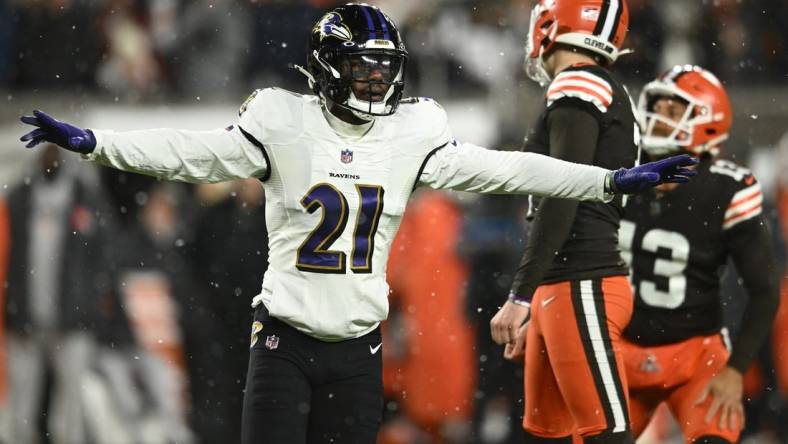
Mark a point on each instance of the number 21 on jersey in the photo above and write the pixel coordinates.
(670, 268)
(314, 254)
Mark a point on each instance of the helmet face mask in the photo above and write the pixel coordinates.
(654, 141)
(534, 49)
(702, 127)
(596, 26)
(357, 61)
(374, 77)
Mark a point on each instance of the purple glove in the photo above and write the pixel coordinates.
(648, 175)
(50, 130)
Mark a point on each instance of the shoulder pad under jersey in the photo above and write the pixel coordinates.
(428, 116)
(581, 84)
(272, 115)
(746, 196)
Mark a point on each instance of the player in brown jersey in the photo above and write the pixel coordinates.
(677, 241)
(572, 279)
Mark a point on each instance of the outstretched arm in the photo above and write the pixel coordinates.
(468, 167)
(188, 156)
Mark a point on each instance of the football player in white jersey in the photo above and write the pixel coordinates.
(338, 167)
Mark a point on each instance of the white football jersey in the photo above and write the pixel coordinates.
(334, 203)
(334, 207)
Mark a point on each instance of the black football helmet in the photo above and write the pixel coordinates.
(357, 43)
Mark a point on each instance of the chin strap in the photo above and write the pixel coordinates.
(309, 77)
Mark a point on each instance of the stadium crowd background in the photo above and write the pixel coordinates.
(163, 336)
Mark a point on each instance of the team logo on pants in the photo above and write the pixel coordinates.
(257, 327)
(272, 342)
(649, 365)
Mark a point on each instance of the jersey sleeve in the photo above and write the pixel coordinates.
(467, 167)
(188, 156)
(748, 242)
(580, 88)
(746, 204)
(751, 247)
(269, 116)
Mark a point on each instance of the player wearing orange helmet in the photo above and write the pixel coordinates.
(677, 241)
(572, 279)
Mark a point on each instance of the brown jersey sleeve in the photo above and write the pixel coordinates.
(573, 137)
(750, 247)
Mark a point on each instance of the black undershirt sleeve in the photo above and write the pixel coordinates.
(753, 254)
(573, 137)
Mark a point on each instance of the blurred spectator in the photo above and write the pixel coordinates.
(131, 66)
(6, 414)
(679, 20)
(492, 241)
(169, 318)
(211, 48)
(782, 182)
(467, 45)
(780, 330)
(230, 256)
(56, 277)
(151, 366)
(780, 361)
(428, 281)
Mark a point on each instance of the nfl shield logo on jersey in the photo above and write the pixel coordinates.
(272, 342)
(347, 156)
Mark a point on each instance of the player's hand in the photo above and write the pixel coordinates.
(725, 390)
(49, 129)
(515, 351)
(505, 324)
(642, 177)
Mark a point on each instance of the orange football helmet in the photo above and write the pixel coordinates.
(599, 26)
(705, 123)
